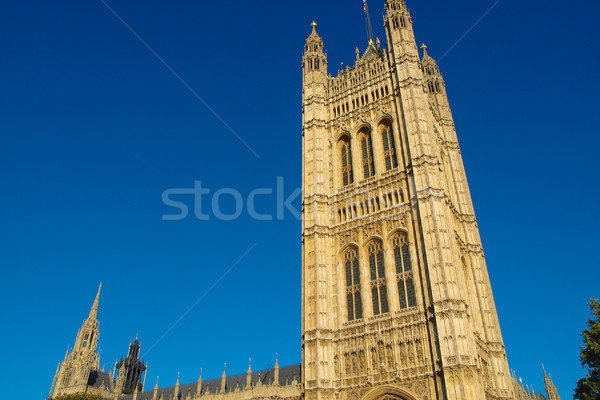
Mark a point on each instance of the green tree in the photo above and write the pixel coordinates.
(588, 388)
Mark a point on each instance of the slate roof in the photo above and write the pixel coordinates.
(286, 377)
(100, 379)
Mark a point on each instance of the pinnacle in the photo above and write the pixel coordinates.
(94, 310)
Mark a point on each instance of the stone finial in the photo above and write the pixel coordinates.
(424, 48)
(276, 372)
(314, 27)
(249, 375)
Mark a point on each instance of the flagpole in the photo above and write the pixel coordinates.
(369, 29)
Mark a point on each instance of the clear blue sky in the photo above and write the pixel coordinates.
(94, 128)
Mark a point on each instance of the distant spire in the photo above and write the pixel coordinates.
(94, 310)
(199, 387)
(223, 378)
(249, 374)
(145, 375)
(424, 48)
(276, 370)
(176, 395)
(155, 392)
(369, 29)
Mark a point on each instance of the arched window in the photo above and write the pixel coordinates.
(347, 174)
(389, 148)
(353, 284)
(378, 289)
(367, 154)
(404, 275)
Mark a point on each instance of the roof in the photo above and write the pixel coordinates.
(286, 377)
(100, 379)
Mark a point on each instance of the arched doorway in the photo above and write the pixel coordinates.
(389, 392)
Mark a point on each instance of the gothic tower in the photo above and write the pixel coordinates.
(74, 372)
(396, 297)
(131, 370)
(551, 390)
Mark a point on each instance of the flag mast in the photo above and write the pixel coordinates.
(369, 29)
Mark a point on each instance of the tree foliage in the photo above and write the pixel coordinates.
(79, 396)
(588, 388)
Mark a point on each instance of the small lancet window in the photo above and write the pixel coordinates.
(389, 149)
(353, 284)
(406, 290)
(347, 173)
(377, 270)
(367, 154)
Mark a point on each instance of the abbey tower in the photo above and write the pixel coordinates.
(396, 295)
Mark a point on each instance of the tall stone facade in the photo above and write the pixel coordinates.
(396, 297)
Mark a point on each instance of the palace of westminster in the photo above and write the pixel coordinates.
(396, 299)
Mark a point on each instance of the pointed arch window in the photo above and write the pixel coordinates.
(389, 148)
(347, 173)
(367, 155)
(353, 284)
(404, 274)
(377, 270)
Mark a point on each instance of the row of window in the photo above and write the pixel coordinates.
(378, 281)
(356, 75)
(360, 101)
(368, 161)
(369, 206)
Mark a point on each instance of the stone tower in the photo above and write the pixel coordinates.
(131, 370)
(396, 297)
(551, 390)
(74, 372)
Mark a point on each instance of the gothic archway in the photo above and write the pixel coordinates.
(389, 392)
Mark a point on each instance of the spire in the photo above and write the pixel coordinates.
(176, 394)
(145, 375)
(155, 393)
(424, 48)
(94, 310)
(369, 29)
(276, 372)
(551, 390)
(199, 387)
(249, 374)
(223, 378)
